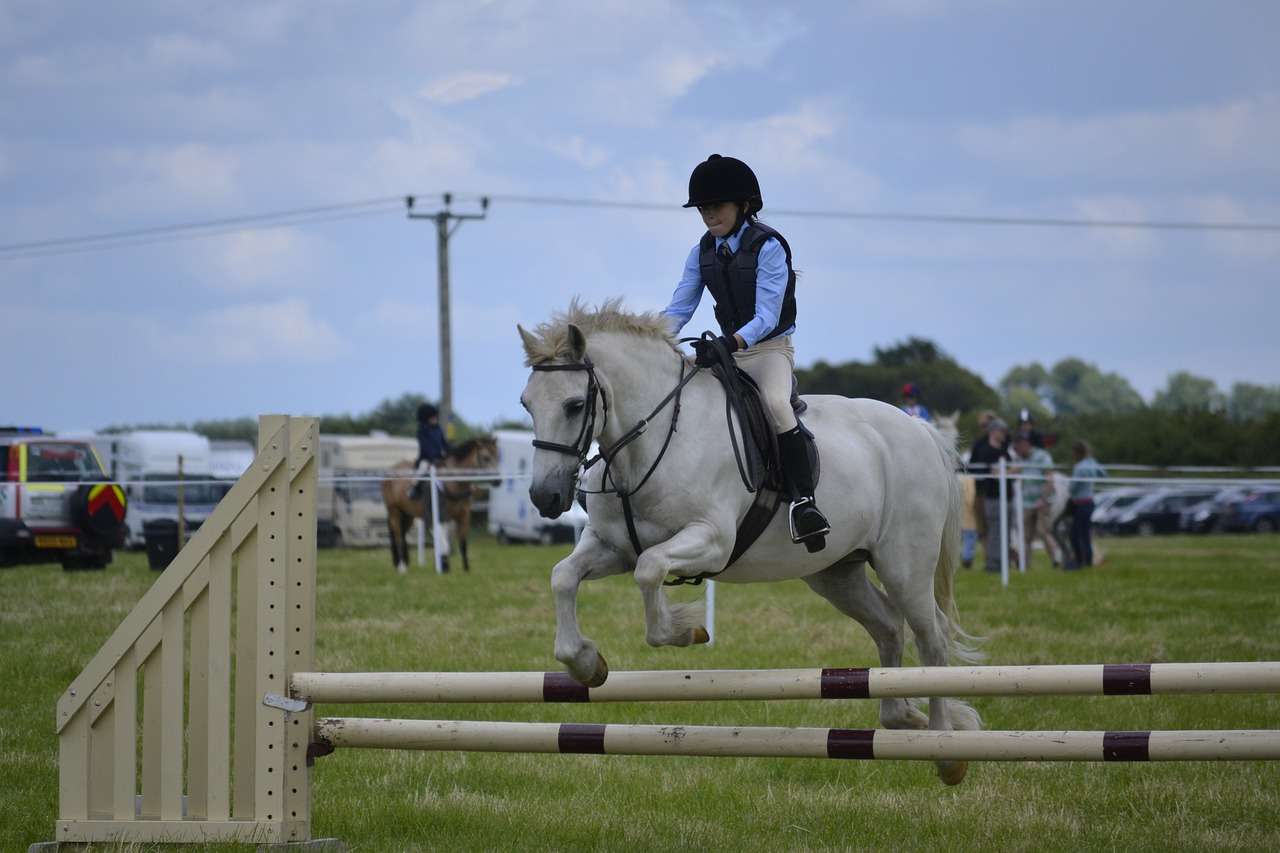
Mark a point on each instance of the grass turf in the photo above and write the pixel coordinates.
(1159, 599)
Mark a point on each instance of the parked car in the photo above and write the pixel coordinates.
(1107, 505)
(1158, 512)
(1206, 516)
(1257, 511)
(56, 503)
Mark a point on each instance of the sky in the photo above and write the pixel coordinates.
(132, 116)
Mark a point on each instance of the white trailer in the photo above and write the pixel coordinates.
(349, 505)
(146, 462)
(512, 516)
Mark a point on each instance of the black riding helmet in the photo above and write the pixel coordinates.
(718, 179)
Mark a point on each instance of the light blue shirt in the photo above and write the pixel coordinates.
(771, 287)
(1082, 476)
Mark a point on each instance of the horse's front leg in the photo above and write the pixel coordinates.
(591, 559)
(698, 548)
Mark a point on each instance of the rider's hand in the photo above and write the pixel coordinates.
(705, 352)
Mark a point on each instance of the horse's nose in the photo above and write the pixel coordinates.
(548, 501)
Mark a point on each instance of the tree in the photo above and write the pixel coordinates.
(1187, 392)
(1249, 402)
(945, 385)
(909, 353)
(1078, 387)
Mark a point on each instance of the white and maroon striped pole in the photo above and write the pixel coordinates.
(764, 742)
(844, 683)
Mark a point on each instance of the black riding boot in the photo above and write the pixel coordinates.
(808, 524)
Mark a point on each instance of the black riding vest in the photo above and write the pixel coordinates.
(733, 285)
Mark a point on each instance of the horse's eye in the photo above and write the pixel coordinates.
(572, 408)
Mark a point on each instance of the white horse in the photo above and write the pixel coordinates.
(888, 487)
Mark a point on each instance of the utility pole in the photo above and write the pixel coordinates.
(443, 219)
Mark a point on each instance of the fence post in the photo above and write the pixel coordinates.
(432, 485)
(1023, 546)
(1004, 523)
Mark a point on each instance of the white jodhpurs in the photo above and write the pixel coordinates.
(771, 364)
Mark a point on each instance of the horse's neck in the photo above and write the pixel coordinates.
(639, 374)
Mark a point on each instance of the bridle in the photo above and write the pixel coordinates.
(581, 446)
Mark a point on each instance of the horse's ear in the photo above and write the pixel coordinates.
(529, 341)
(955, 416)
(577, 343)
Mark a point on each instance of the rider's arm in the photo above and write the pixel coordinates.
(771, 286)
(687, 296)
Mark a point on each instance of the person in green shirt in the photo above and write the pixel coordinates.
(1032, 462)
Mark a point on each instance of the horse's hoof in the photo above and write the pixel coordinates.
(602, 672)
(952, 772)
(401, 569)
(700, 636)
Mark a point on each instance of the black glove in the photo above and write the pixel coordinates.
(705, 354)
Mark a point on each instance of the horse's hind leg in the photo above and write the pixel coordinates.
(908, 580)
(846, 586)
(393, 521)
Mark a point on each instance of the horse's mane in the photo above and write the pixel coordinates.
(550, 340)
(463, 450)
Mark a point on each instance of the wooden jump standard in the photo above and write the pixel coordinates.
(240, 597)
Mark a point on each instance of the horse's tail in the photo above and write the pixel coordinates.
(962, 645)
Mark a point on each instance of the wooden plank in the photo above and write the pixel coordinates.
(218, 719)
(172, 692)
(246, 704)
(271, 458)
(151, 728)
(125, 784)
(173, 831)
(73, 768)
(270, 736)
(301, 597)
(101, 763)
(198, 735)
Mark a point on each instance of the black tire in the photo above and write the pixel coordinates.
(546, 537)
(1146, 528)
(1265, 525)
(502, 537)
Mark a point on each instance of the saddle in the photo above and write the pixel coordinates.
(759, 462)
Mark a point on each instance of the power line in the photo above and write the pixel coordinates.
(207, 223)
(193, 234)
(387, 204)
(932, 218)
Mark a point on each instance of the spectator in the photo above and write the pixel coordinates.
(1027, 427)
(1033, 462)
(911, 403)
(1086, 470)
(985, 417)
(968, 520)
(983, 462)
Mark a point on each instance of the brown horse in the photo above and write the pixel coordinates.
(474, 454)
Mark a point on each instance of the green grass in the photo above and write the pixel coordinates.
(1161, 599)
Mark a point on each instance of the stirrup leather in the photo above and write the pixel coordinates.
(801, 503)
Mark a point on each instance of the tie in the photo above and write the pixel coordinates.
(724, 253)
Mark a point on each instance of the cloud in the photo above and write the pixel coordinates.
(1230, 137)
(281, 257)
(282, 330)
(181, 51)
(466, 86)
(577, 150)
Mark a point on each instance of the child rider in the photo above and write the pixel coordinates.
(746, 265)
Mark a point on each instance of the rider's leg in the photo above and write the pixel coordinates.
(772, 365)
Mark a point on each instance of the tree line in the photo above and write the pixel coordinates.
(1188, 422)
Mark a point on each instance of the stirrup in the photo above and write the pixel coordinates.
(814, 540)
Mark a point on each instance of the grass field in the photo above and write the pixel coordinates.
(1158, 599)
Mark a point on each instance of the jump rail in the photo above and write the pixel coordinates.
(240, 598)
(853, 683)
